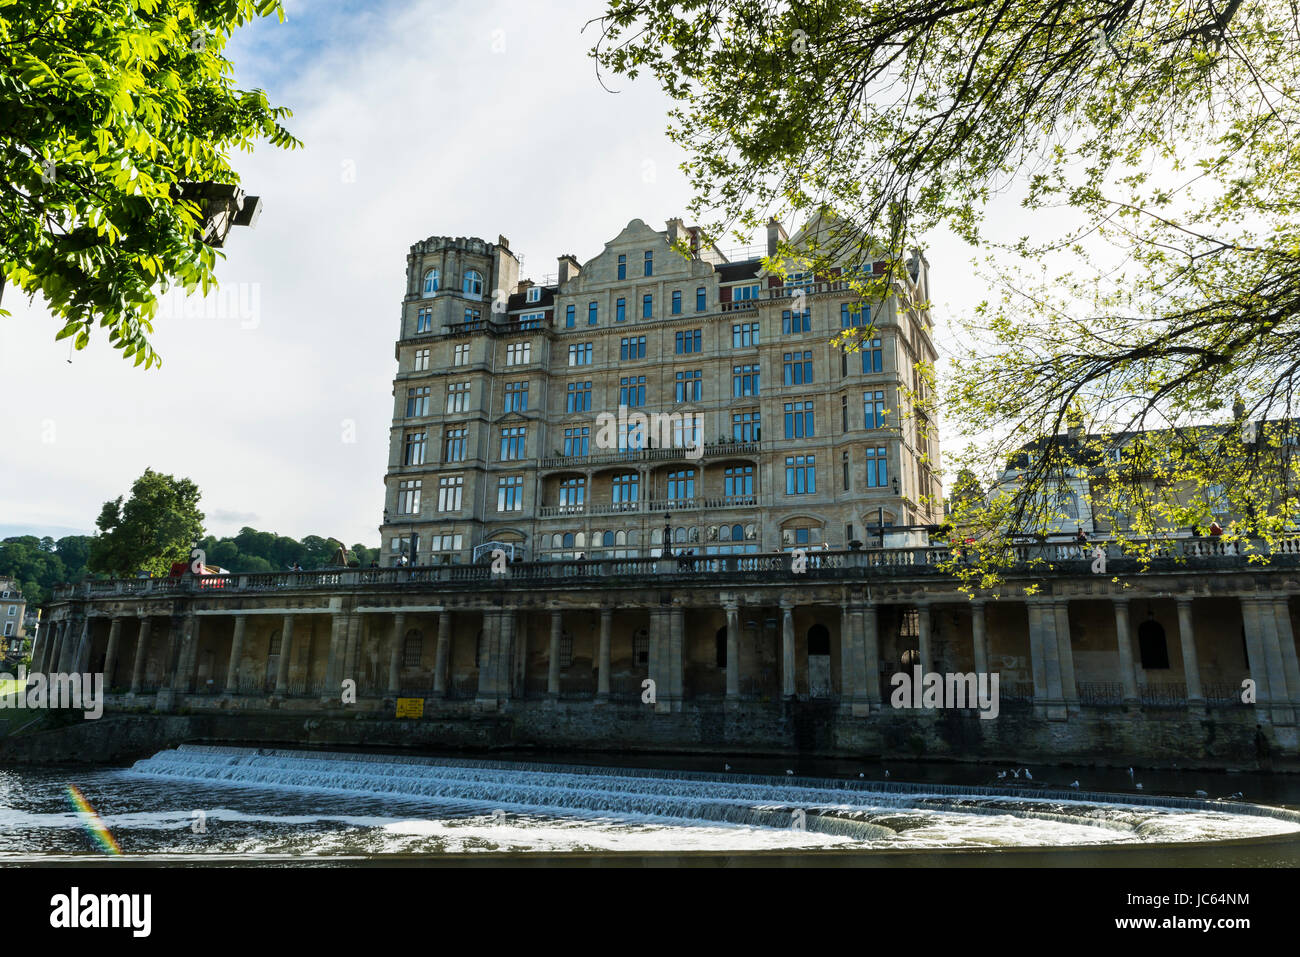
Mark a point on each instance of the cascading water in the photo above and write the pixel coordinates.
(528, 805)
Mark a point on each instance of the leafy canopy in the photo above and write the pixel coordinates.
(106, 107)
(158, 525)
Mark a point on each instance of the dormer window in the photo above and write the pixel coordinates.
(431, 282)
(473, 284)
(534, 294)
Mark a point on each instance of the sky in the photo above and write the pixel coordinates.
(275, 396)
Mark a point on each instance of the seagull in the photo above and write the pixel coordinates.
(1015, 774)
(1074, 784)
(1028, 776)
(1236, 795)
(1139, 787)
(886, 774)
(1001, 775)
(726, 767)
(861, 775)
(788, 771)
(1202, 794)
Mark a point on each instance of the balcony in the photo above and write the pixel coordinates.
(670, 454)
(652, 506)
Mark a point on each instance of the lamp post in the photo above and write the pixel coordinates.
(668, 535)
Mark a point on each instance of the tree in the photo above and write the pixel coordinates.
(157, 526)
(109, 111)
(1156, 141)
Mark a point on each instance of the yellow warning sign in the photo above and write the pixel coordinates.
(410, 707)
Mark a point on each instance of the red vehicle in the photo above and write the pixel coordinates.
(213, 576)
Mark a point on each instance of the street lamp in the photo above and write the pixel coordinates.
(668, 535)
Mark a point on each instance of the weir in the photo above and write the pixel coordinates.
(865, 811)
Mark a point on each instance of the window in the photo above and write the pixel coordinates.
(534, 294)
(632, 348)
(531, 320)
(631, 391)
(408, 497)
(566, 649)
(580, 354)
(649, 262)
(449, 492)
(461, 355)
(573, 493)
(413, 648)
(422, 360)
(701, 299)
(577, 441)
(641, 646)
(745, 426)
(744, 380)
(513, 440)
(798, 420)
(647, 306)
(799, 279)
(579, 397)
(800, 474)
(688, 432)
(472, 316)
(413, 454)
(444, 543)
(1152, 645)
(417, 401)
(844, 466)
(689, 341)
(626, 488)
(516, 397)
(738, 480)
(622, 267)
(873, 404)
(877, 468)
(677, 302)
(681, 484)
(793, 322)
(424, 320)
(620, 310)
(431, 282)
(744, 334)
(844, 413)
(689, 387)
(593, 313)
(744, 293)
(9, 628)
(851, 316)
(570, 320)
(510, 493)
(457, 396)
(473, 284)
(796, 368)
(519, 353)
(453, 446)
(872, 357)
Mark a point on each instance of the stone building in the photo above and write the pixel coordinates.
(777, 439)
(13, 617)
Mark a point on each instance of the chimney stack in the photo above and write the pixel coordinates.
(775, 234)
(568, 268)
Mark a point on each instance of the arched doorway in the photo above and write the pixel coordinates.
(1152, 646)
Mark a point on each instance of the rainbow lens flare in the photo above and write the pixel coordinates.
(92, 822)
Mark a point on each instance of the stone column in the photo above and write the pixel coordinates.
(141, 654)
(286, 649)
(553, 661)
(494, 675)
(1124, 644)
(733, 651)
(1043, 646)
(849, 635)
(1278, 696)
(923, 649)
(677, 655)
(40, 663)
(334, 665)
(1286, 642)
(1065, 656)
(871, 653)
(442, 654)
(1191, 664)
(187, 661)
(110, 653)
(82, 663)
(352, 651)
(236, 653)
(71, 645)
(395, 655)
(602, 657)
(979, 637)
(658, 655)
(787, 650)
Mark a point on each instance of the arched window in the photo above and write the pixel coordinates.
(473, 284)
(819, 640)
(607, 540)
(581, 540)
(724, 533)
(737, 533)
(1152, 645)
(568, 540)
(720, 647)
(431, 282)
(413, 648)
(1068, 503)
(679, 534)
